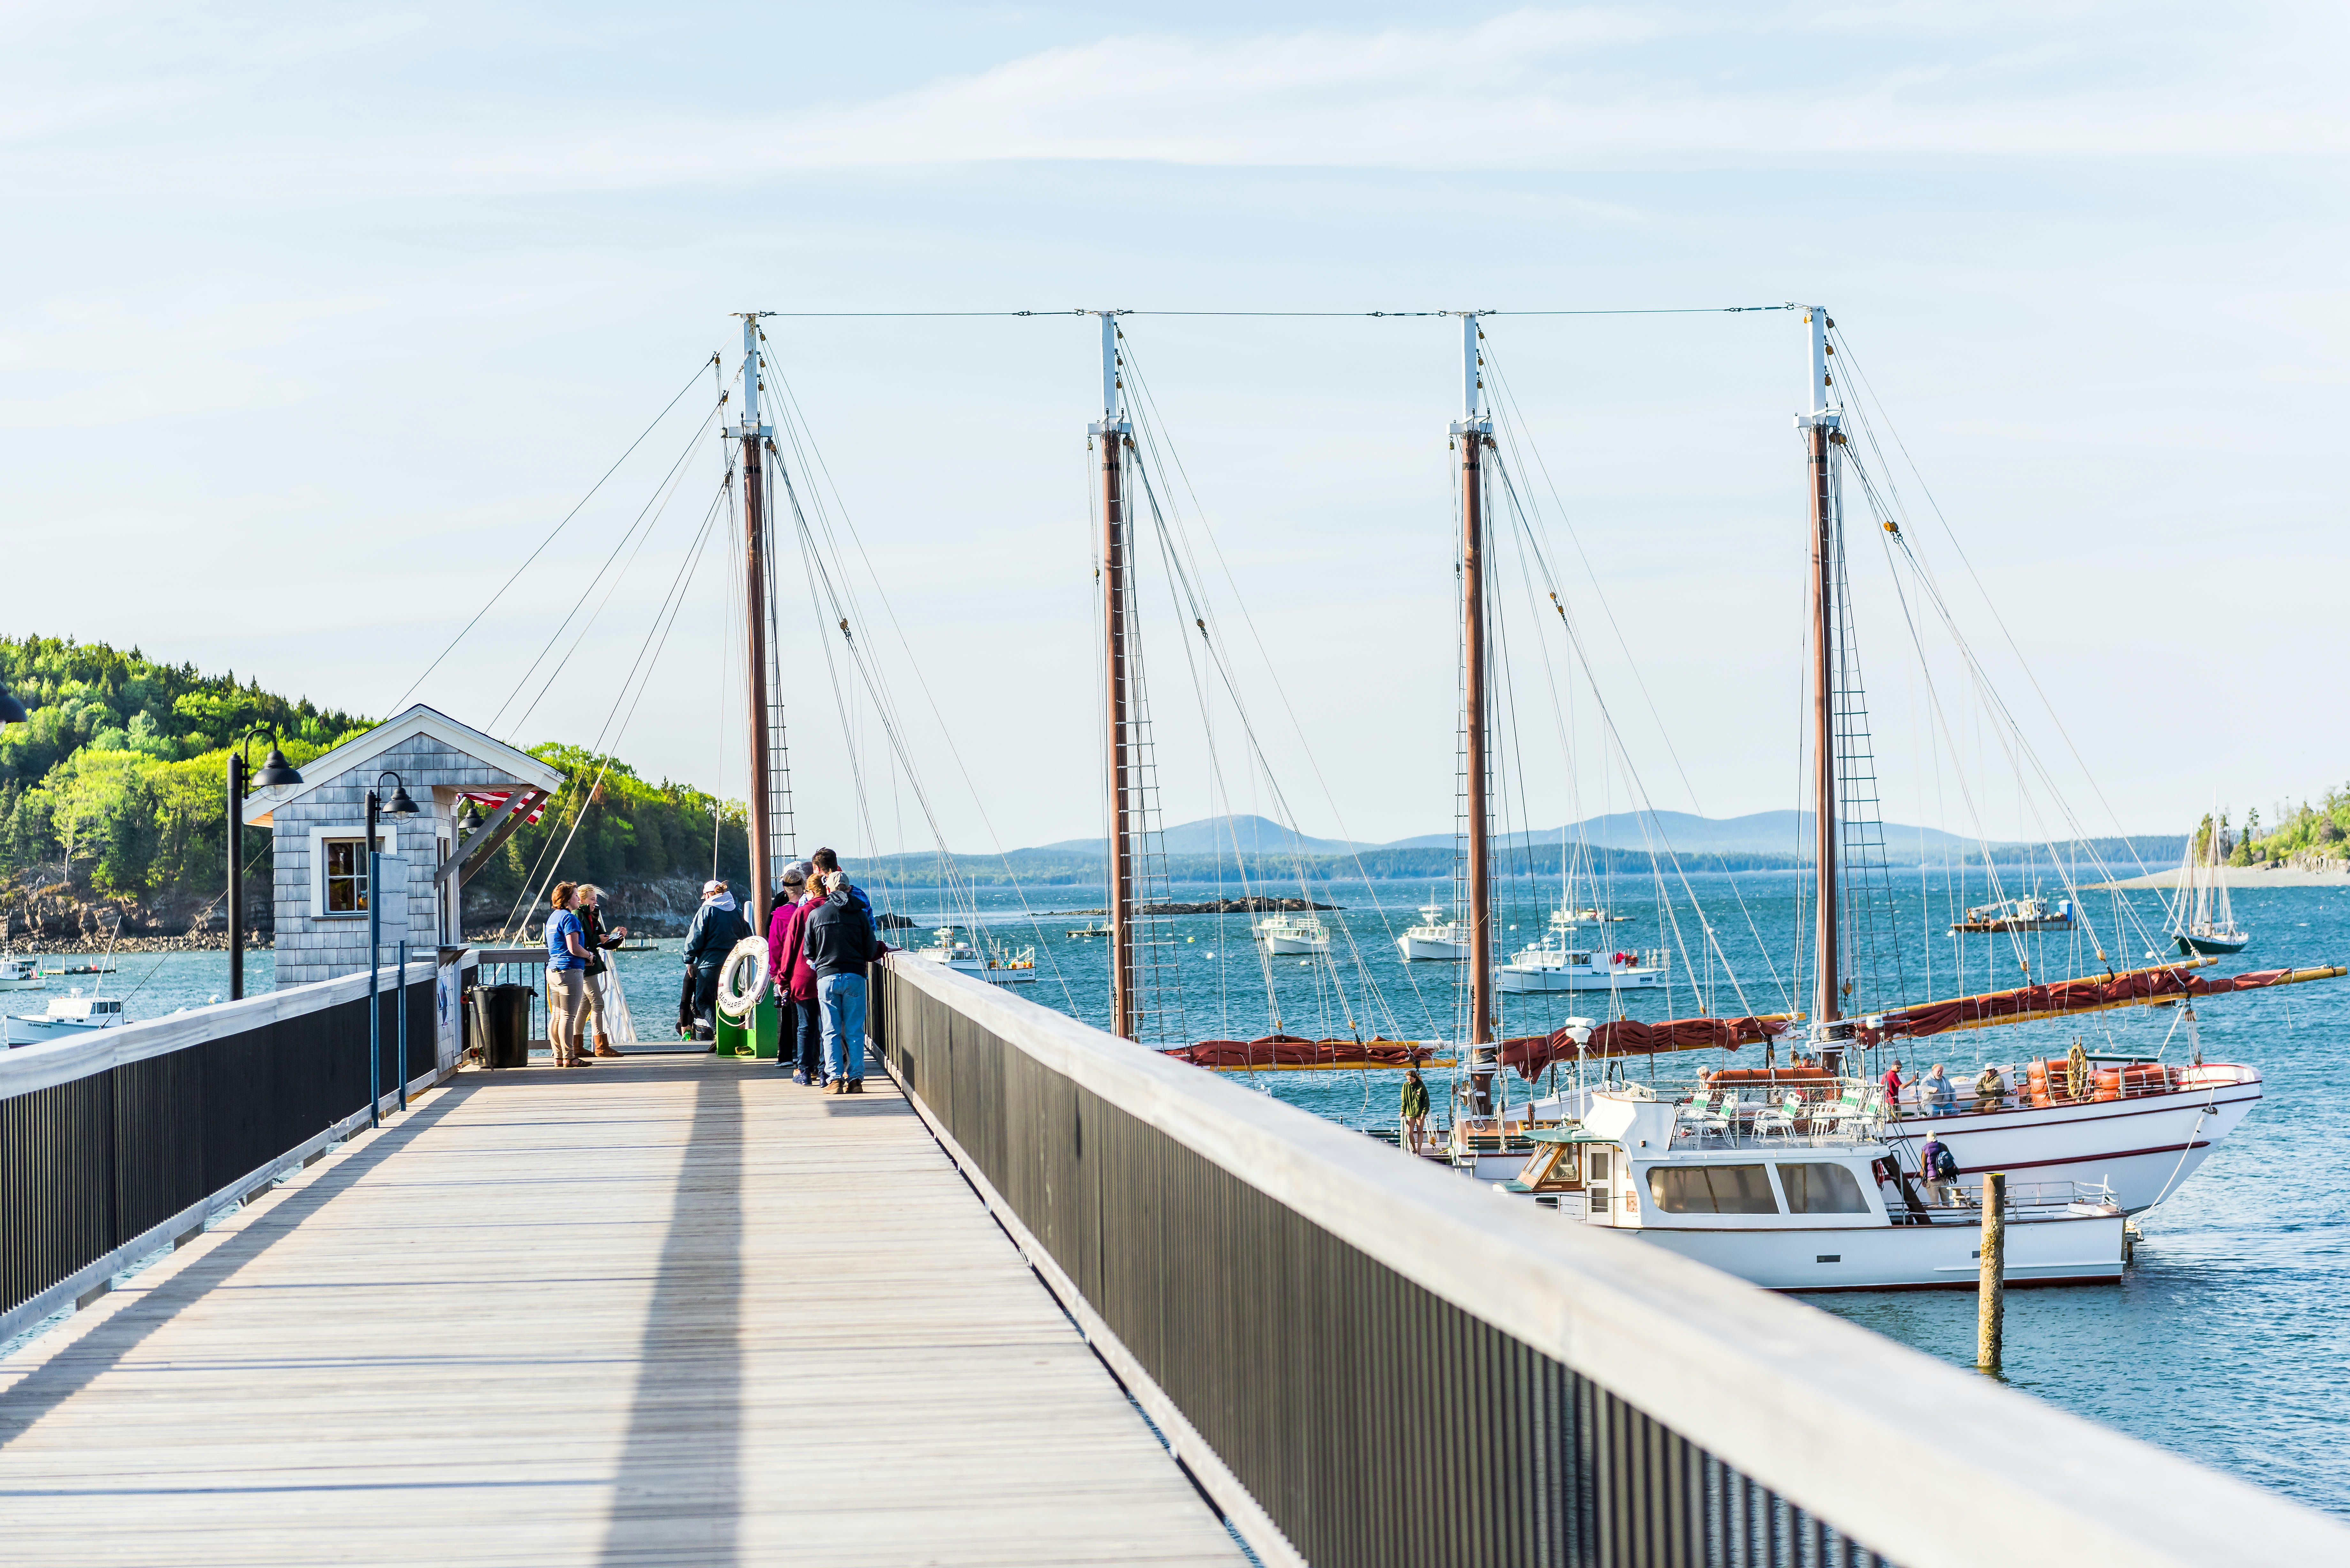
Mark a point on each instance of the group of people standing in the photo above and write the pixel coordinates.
(576, 944)
(819, 941)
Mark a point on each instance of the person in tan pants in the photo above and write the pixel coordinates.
(567, 980)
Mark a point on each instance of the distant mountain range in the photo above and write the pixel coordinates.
(1776, 832)
(1766, 841)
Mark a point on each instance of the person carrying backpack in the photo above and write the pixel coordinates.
(839, 943)
(1939, 1167)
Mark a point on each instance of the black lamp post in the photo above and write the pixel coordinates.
(398, 805)
(275, 770)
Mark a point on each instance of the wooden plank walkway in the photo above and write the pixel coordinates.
(672, 1309)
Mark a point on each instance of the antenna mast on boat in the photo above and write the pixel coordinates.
(1113, 429)
(1821, 425)
(1471, 433)
(753, 435)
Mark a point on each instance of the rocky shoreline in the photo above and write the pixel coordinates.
(195, 942)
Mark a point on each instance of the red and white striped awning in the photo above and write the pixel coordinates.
(531, 810)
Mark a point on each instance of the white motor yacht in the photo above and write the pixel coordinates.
(1552, 965)
(1564, 918)
(1293, 934)
(999, 965)
(1435, 938)
(1800, 1196)
(66, 1016)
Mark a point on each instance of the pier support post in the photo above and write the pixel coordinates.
(1990, 1296)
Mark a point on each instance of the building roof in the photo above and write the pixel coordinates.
(328, 766)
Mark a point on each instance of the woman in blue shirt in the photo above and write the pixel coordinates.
(567, 979)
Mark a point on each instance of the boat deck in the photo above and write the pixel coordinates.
(667, 1310)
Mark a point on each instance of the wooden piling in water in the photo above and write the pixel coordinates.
(1991, 1297)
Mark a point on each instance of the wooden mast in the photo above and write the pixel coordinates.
(1470, 435)
(1821, 429)
(752, 435)
(1112, 432)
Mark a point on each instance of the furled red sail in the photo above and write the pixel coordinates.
(2138, 987)
(1296, 1051)
(1630, 1037)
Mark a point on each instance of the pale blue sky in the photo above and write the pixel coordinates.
(314, 321)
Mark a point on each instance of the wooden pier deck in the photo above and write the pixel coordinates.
(669, 1311)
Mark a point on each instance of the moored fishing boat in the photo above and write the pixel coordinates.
(1435, 938)
(999, 965)
(20, 973)
(65, 1018)
(1293, 934)
(1551, 965)
(2025, 914)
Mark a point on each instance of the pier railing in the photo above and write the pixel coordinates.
(126, 1139)
(1364, 1360)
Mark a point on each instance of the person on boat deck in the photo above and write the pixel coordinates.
(1989, 1089)
(840, 944)
(586, 904)
(795, 982)
(1939, 1095)
(1415, 1108)
(717, 926)
(1940, 1168)
(567, 979)
(1894, 1084)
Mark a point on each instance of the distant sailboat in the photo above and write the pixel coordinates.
(2202, 920)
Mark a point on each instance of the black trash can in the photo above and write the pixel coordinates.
(502, 1025)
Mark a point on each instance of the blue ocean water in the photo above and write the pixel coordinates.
(2230, 1337)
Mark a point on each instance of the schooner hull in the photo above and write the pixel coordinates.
(2142, 1148)
(2214, 947)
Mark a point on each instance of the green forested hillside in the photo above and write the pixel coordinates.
(115, 789)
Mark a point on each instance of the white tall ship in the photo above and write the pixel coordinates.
(1437, 938)
(1286, 934)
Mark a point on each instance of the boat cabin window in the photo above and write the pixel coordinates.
(1822, 1189)
(1553, 1167)
(1711, 1190)
(347, 872)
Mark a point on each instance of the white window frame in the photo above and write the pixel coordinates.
(384, 842)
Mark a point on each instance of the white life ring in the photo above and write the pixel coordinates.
(736, 996)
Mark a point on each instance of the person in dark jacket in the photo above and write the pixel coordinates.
(717, 926)
(587, 904)
(840, 944)
(800, 1052)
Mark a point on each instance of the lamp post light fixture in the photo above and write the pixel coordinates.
(274, 770)
(398, 805)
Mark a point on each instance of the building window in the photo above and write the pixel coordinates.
(347, 876)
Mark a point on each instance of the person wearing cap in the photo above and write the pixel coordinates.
(717, 926)
(801, 1050)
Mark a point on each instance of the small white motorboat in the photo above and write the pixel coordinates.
(999, 965)
(20, 973)
(1293, 934)
(1552, 965)
(1435, 938)
(66, 1016)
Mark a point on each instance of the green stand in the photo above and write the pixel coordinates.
(758, 1040)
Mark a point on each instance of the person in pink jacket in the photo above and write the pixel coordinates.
(801, 1050)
